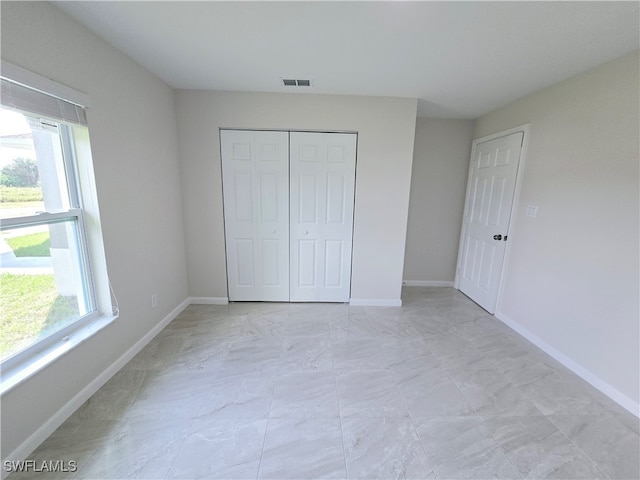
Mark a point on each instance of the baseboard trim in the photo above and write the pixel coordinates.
(375, 302)
(209, 300)
(30, 444)
(427, 283)
(588, 376)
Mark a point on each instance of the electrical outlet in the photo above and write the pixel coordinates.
(154, 300)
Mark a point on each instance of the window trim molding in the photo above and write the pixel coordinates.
(45, 85)
(21, 366)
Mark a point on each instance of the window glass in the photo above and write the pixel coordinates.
(32, 175)
(44, 273)
(42, 284)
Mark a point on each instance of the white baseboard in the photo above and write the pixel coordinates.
(209, 300)
(427, 283)
(375, 302)
(40, 435)
(588, 376)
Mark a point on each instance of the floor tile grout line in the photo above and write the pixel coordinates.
(344, 450)
(273, 390)
(184, 440)
(189, 430)
(475, 413)
(580, 449)
(335, 380)
(506, 455)
(415, 429)
(264, 442)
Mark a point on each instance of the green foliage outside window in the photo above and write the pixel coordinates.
(21, 172)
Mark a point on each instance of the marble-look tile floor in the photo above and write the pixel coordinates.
(435, 389)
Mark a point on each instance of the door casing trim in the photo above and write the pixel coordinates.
(526, 131)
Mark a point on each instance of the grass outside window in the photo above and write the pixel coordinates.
(20, 194)
(29, 303)
(31, 245)
(30, 307)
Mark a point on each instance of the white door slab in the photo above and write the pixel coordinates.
(492, 181)
(322, 184)
(255, 171)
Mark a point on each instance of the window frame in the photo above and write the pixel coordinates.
(80, 187)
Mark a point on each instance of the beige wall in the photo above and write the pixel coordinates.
(572, 278)
(134, 143)
(385, 129)
(438, 184)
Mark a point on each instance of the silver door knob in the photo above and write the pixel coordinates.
(306, 232)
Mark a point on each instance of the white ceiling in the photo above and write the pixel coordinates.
(460, 59)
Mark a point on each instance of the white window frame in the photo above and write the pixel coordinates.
(66, 107)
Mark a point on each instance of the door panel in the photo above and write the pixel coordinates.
(322, 184)
(336, 207)
(288, 209)
(243, 207)
(490, 193)
(269, 197)
(333, 263)
(271, 259)
(245, 264)
(307, 199)
(255, 170)
(307, 263)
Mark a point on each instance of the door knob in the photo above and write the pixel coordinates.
(497, 237)
(306, 232)
(274, 232)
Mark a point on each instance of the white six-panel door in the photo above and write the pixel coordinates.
(288, 210)
(322, 182)
(255, 177)
(490, 191)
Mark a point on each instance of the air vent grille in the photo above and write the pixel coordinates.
(290, 82)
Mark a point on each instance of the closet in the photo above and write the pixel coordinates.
(288, 212)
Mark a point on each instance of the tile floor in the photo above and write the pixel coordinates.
(436, 389)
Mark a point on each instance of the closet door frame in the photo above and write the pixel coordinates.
(320, 271)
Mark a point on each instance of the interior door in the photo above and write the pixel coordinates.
(322, 184)
(255, 170)
(490, 191)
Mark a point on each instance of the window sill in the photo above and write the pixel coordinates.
(13, 377)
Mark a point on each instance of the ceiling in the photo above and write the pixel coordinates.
(460, 59)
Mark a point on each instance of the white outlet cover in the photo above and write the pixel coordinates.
(532, 211)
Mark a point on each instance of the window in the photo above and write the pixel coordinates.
(52, 272)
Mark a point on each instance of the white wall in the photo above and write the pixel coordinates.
(438, 184)
(134, 143)
(385, 129)
(572, 279)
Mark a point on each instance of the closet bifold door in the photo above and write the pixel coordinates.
(322, 184)
(255, 178)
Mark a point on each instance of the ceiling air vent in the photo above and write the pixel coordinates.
(290, 82)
